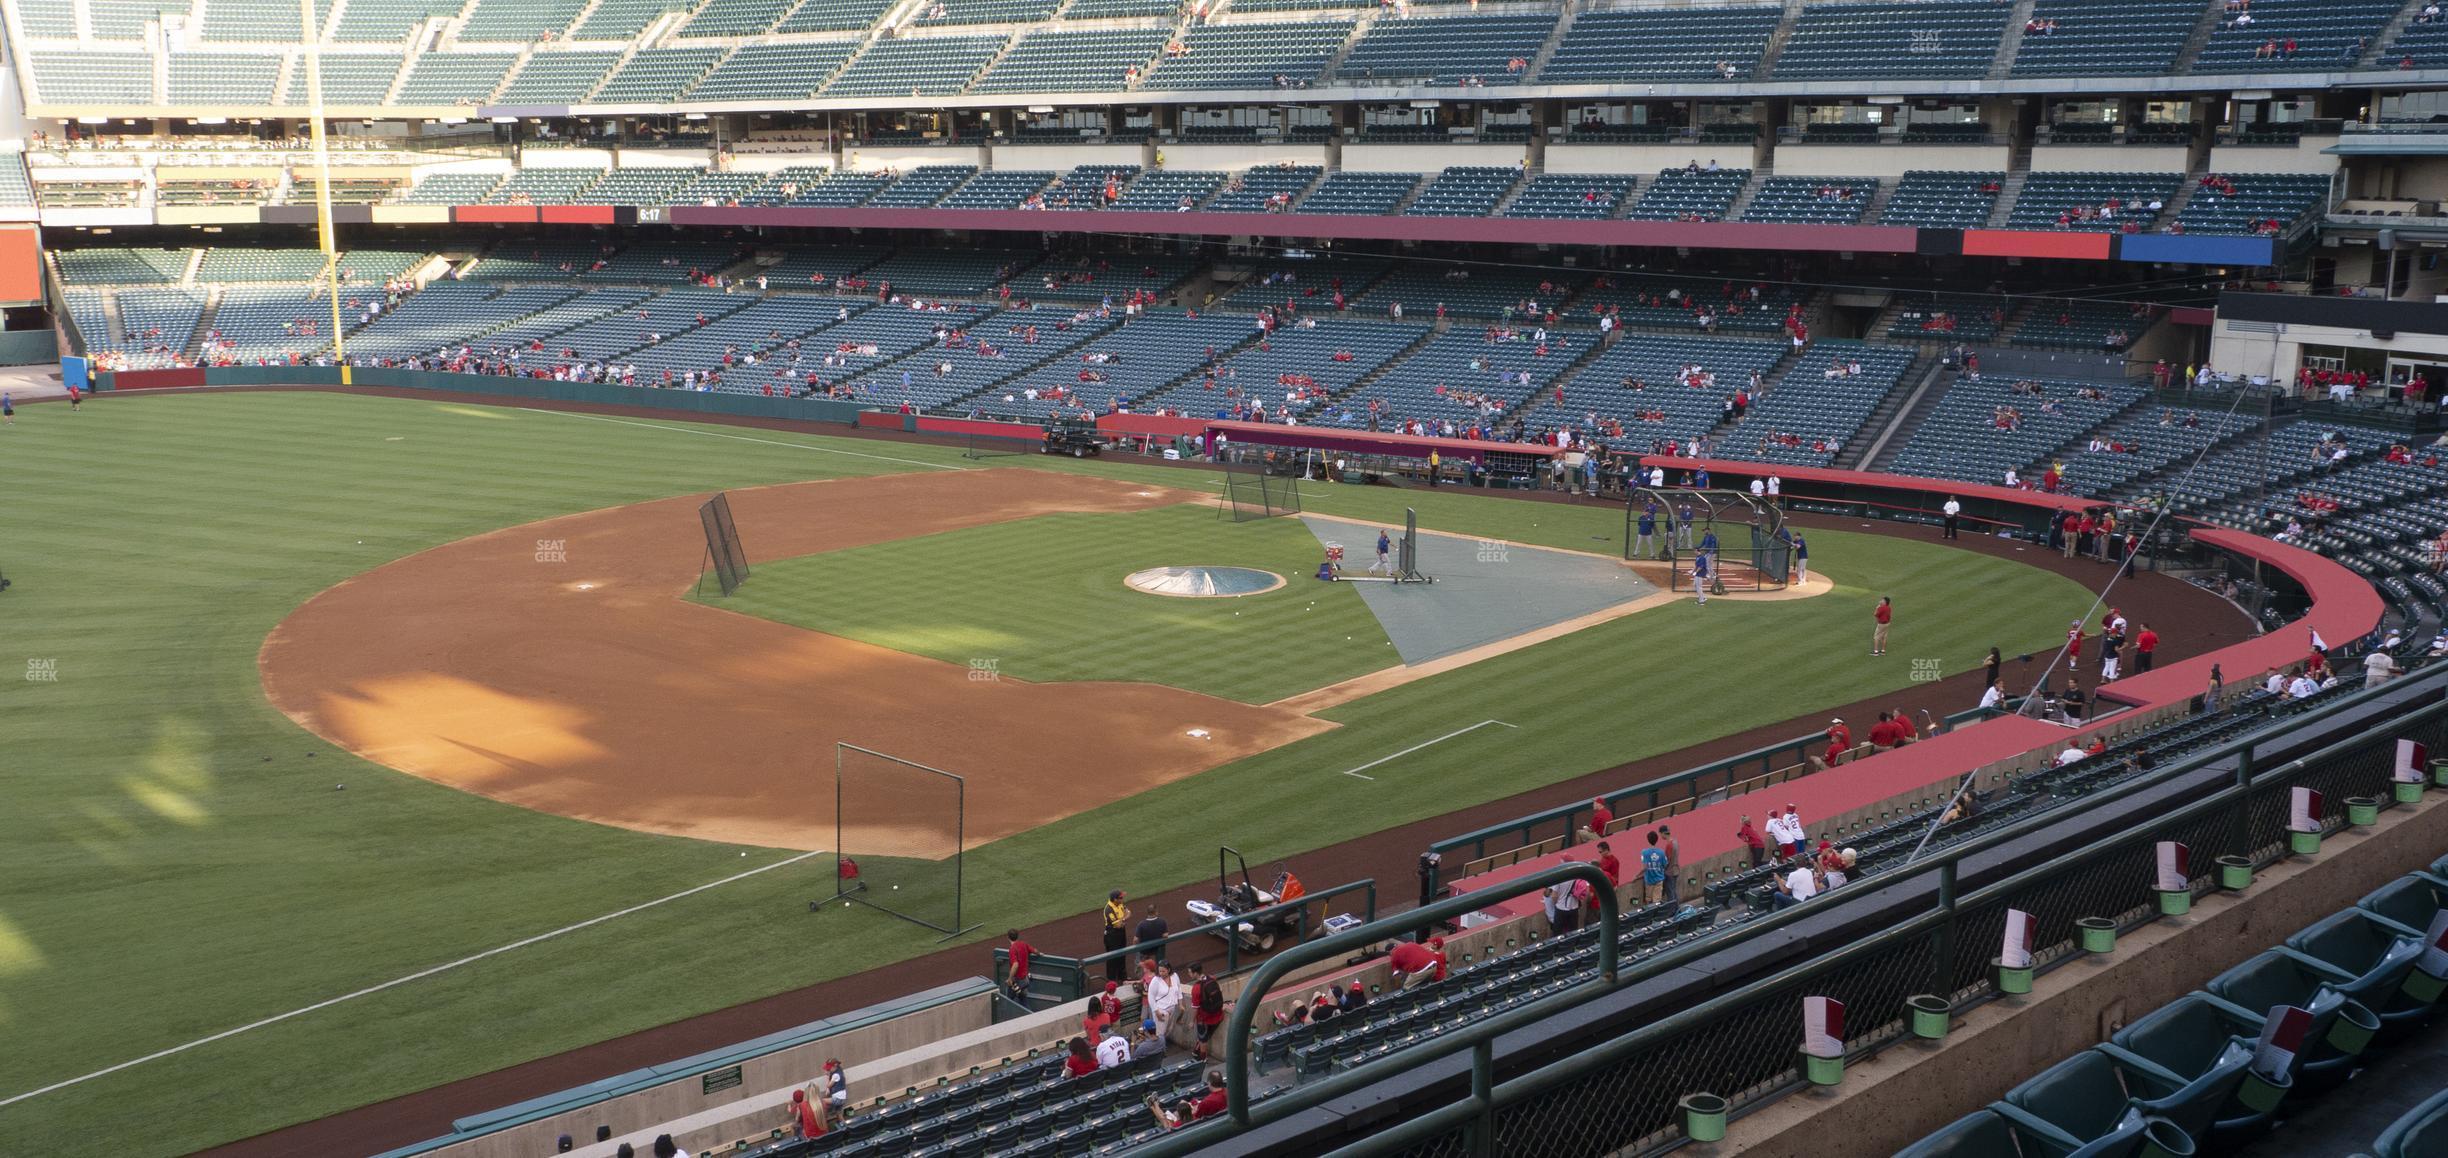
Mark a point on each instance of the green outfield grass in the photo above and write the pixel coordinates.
(1044, 598)
(176, 860)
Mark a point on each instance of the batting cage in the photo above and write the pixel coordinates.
(1262, 488)
(729, 560)
(897, 838)
(1752, 550)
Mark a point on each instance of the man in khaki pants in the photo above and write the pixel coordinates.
(1878, 630)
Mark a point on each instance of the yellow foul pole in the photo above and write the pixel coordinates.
(322, 152)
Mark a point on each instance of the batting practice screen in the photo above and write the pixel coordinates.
(723, 543)
(1254, 492)
(897, 837)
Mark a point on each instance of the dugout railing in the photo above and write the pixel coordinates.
(1584, 1075)
(1541, 833)
(1056, 979)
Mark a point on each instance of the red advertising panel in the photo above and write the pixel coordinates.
(20, 264)
(576, 214)
(2014, 243)
(495, 214)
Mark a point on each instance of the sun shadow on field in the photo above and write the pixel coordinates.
(18, 957)
(428, 722)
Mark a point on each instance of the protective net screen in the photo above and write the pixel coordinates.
(898, 837)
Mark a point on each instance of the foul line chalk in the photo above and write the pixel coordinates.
(1396, 756)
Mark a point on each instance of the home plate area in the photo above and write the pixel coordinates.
(1485, 591)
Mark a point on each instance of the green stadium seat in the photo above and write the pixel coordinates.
(2188, 1044)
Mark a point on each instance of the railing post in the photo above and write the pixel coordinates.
(1942, 969)
(1483, 1097)
(2239, 830)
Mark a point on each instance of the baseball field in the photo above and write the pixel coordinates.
(367, 743)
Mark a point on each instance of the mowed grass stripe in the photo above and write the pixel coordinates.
(160, 880)
(1042, 599)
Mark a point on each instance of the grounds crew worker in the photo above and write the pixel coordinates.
(1115, 914)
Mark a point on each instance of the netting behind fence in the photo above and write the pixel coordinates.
(898, 837)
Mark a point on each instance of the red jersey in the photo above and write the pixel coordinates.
(2147, 642)
(1021, 951)
(1612, 867)
(1209, 1105)
(1413, 957)
(1883, 614)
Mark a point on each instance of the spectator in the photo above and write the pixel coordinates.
(1151, 933)
(1211, 1104)
(1880, 617)
(1416, 963)
(1563, 902)
(1112, 1050)
(1674, 862)
(1163, 998)
(1608, 864)
(1147, 1042)
(2379, 667)
(806, 1121)
(1750, 838)
(1653, 871)
(1082, 1061)
(2217, 688)
(2146, 649)
(1795, 887)
(1095, 1019)
(1207, 1001)
(664, 1147)
(2302, 686)
(1600, 817)
(836, 1093)
(1020, 952)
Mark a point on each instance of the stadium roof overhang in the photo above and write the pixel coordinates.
(2217, 85)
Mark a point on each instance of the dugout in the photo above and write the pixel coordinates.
(1399, 459)
(1987, 510)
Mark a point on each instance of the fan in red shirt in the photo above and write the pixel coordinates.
(1840, 740)
(2146, 648)
(1607, 864)
(2074, 644)
(1211, 1104)
(1082, 1061)
(1600, 816)
(1411, 957)
(1020, 953)
(1882, 733)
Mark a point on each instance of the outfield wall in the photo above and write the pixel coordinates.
(680, 402)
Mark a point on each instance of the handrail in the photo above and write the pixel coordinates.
(1936, 921)
(1478, 1035)
(1485, 1094)
(1768, 757)
(1077, 968)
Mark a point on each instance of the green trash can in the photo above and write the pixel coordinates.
(1704, 1117)
(1930, 1014)
(2260, 1094)
(2408, 791)
(2439, 773)
(2304, 843)
(2362, 811)
(2353, 1029)
(1822, 1071)
(2235, 873)
(2175, 902)
(2011, 979)
(2098, 934)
